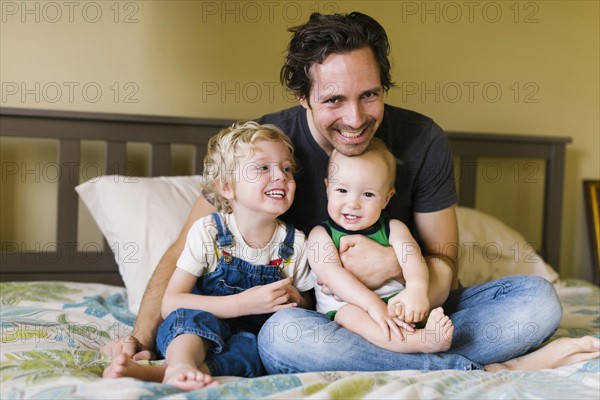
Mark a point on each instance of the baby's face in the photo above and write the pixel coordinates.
(358, 188)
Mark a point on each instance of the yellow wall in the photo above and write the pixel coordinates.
(528, 67)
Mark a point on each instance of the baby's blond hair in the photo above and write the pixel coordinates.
(226, 148)
(379, 148)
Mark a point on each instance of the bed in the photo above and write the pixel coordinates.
(62, 303)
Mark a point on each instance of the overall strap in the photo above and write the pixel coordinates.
(224, 236)
(286, 249)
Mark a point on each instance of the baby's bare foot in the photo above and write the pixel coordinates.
(437, 334)
(187, 377)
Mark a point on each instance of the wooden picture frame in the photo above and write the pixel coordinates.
(591, 195)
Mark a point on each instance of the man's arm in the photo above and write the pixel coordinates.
(140, 344)
(439, 235)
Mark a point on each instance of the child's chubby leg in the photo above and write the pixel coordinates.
(185, 363)
(435, 337)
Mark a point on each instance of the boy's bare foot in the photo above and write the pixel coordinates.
(436, 336)
(187, 377)
(124, 367)
(561, 352)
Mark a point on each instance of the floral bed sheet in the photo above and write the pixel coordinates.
(51, 332)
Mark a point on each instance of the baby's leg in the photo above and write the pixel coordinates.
(123, 366)
(435, 337)
(185, 363)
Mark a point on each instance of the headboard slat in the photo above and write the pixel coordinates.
(553, 205)
(199, 154)
(160, 160)
(68, 161)
(116, 158)
(468, 181)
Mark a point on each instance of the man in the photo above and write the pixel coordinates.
(338, 67)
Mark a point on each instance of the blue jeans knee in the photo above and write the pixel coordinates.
(239, 357)
(195, 322)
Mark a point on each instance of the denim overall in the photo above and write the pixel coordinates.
(234, 351)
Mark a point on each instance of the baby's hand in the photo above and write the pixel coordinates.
(386, 322)
(410, 305)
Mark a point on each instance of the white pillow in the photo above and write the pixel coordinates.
(490, 250)
(140, 218)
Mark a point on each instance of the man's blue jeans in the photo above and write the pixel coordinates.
(494, 322)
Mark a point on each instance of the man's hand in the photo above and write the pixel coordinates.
(370, 262)
(130, 346)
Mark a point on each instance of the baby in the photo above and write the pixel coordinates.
(358, 189)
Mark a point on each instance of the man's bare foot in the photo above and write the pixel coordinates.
(187, 377)
(124, 367)
(561, 352)
(436, 336)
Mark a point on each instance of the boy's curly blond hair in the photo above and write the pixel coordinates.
(224, 151)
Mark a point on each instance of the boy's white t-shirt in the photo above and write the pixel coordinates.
(201, 253)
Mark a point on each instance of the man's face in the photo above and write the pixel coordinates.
(345, 107)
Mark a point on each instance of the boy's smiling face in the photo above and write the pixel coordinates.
(264, 181)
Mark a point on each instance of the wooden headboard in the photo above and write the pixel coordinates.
(116, 130)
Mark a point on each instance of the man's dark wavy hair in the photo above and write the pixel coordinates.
(326, 34)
